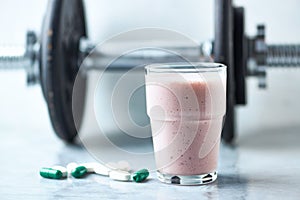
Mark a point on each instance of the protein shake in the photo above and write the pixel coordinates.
(186, 105)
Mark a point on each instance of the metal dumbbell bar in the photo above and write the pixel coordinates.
(20, 57)
(26, 58)
(54, 60)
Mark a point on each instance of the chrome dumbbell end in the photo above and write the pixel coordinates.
(284, 55)
(32, 55)
(276, 56)
(20, 57)
(262, 56)
(12, 57)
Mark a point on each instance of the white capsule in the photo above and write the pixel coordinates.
(119, 175)
(62, 169)
(71, 166)
(101, 169)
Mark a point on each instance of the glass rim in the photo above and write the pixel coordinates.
(185, 67)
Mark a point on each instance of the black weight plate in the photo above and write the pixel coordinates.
(40, 57)
(64, 25)
(223, 53)
(240, 61)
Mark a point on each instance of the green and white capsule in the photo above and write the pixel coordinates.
(79, 171)
(62, 169)
(51, 173)
(140, 176)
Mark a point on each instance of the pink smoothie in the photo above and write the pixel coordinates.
(186, 113)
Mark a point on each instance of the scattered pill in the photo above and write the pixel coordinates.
(101, 169)
(116, 171)
(62, 169)
(79, 171)
(119, 175)
(140, 176)
(51, 173)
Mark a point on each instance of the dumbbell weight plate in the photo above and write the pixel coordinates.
(240, 60)
(64, 25)
(223, 53)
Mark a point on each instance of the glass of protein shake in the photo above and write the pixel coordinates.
(186, 103)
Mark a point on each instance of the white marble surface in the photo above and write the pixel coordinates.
(264, 164)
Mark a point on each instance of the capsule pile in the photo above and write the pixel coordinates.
(119, 172)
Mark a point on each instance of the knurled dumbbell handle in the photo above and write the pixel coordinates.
(283, 55)
(12, 58)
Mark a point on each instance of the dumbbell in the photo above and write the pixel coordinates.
(54, 60)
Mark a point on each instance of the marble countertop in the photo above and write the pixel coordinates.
(262, 165)
(248, 171)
